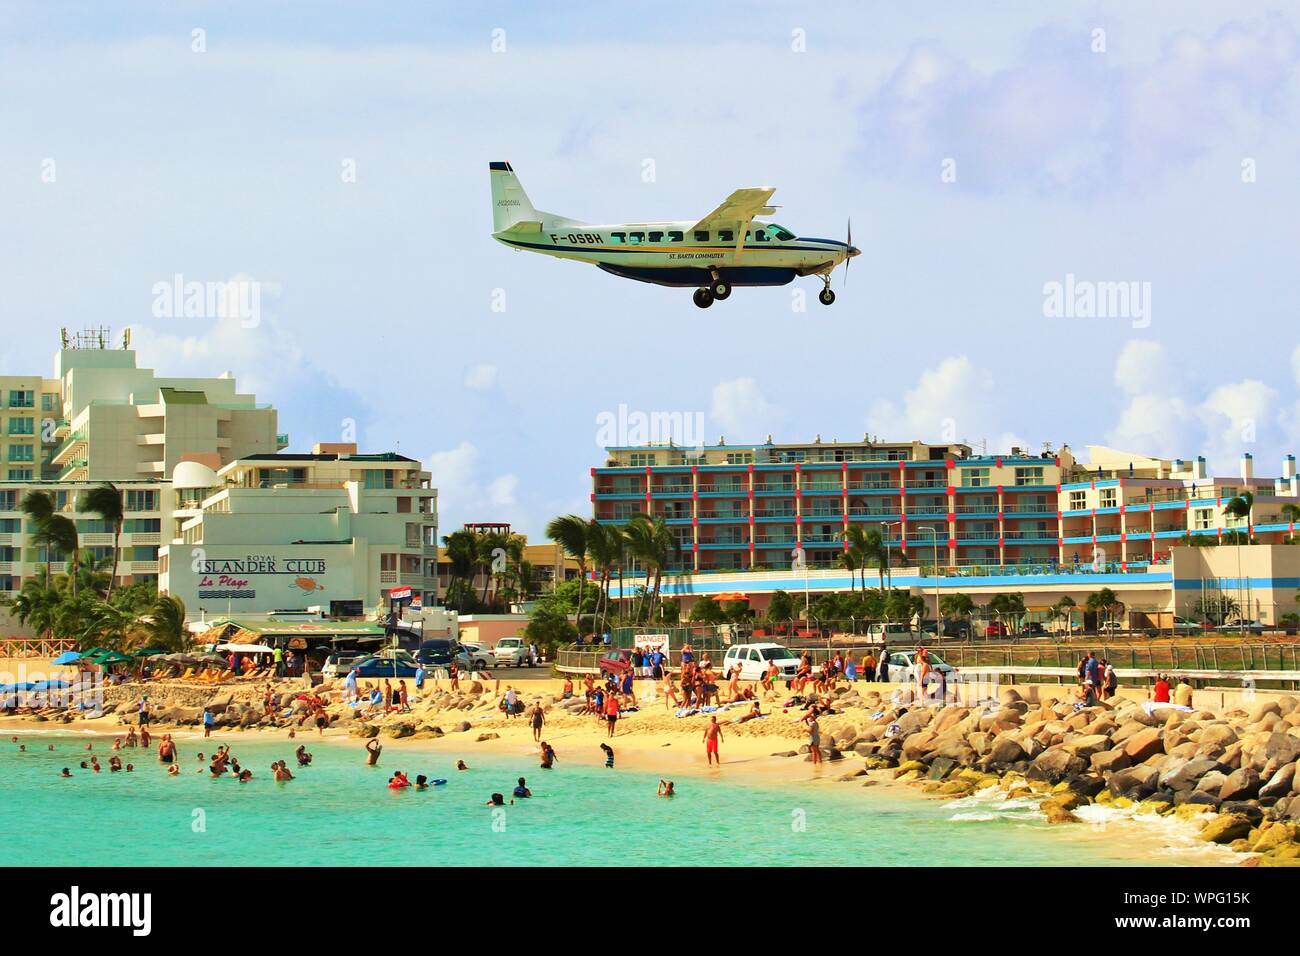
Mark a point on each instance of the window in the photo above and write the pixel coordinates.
(635, 238)
(759, 236)
(49, 401)
(625, 509)
(641, 459)
(142, 525)
(726, 235)
(11, 525)
(1202, 519)
(1107, 498)
(740, 458)
(779, 232)
(141, 500)
(1029, 476)
(618, 238)
(656, 236)
(701, 235)
(9, 500)
(22, 426)
(376, 478)
(20, 474)
(975, 477)
(21, 453)
(675, 236)
(1078, 500)
(22, 398)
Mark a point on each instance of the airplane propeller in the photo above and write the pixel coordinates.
(852, 250)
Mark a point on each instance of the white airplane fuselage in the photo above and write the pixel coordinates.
(681, 253)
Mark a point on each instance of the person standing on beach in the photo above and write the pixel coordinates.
(537, 718)
(882, 670)
(277, 655)
(207, 722)
(868, 667)
(1110, 680)
(712, 737)
(611, 713)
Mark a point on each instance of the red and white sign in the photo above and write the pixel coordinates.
(399, 594)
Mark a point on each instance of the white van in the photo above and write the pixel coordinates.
(754, 660)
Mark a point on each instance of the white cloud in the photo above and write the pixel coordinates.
(1141, 365)
(951, 402)
(1233, 416)
(464, 492)
(740, 407)
(480, 377)
(1064, 118)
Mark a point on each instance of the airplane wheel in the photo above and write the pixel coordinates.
(826, 296)
(720, 290)
(703, 298)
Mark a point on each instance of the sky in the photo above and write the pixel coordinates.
(989, 156)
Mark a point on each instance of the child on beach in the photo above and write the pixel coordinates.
(609, 755)
(548, 756)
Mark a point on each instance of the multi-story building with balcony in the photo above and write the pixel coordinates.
(332, 529)
(108, 420)
(941, 510)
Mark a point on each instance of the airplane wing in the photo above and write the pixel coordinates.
(739, 208)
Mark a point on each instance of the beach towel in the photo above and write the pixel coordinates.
(1151, 707)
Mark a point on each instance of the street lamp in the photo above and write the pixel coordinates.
(934, 538)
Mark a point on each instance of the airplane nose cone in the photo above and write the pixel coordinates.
(854, 251)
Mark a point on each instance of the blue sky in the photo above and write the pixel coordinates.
(1123, 163)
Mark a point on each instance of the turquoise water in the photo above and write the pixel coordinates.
(340, 812)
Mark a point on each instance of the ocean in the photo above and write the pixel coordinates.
(340, 812)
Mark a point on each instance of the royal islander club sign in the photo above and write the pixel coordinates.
(238, 579)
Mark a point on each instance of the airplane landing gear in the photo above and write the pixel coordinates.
(826, 296)
(704, 298)
(720, 290)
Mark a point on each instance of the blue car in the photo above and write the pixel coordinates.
(403, 665)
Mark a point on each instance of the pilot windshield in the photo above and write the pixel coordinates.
(778, 232)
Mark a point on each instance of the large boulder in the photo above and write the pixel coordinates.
(1144, 744)
(1108, 761)
(1136, 783)
(1087, 745)
(1217, 734)
(1226, 827)
(1004, 751)
(1279, 749)
(1280, 784)
(1053, 766)
(1241, 785)
(1187, 774)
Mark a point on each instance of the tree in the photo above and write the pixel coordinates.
(49, 529)
(462, 556)
(956, 605)
(165, 624)
(780, 609)
(1007, 605)
(106, 501)
(573, 534)
(737, 612)
(549, 627)
(1063, 609)
(706, 610)
(1105, 604)
(1240, 507)
(605, 547)
(651, 542)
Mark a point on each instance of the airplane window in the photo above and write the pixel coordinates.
(656, 237)
(635, 238)
(726, 235)
(675, 236)
(779, 232)
(701, 235)
(760, 235)
(618, 238)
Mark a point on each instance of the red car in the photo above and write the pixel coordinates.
(615, 662)
(996, 629)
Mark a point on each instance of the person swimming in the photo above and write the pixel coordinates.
(398, 781)
(66, 772)
(666, 788)
(460, 765)
(522, 789)
(421, 782)
(497, 800)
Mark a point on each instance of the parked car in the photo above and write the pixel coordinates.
(754, 660)
(472, 656)
(1033, 628)
(1243, 625)
(1185, 625)
(995, 629)
(902, 666)
(512, 652)
(338, 665)
(436, 652)
(899, 633)
(615, 662)
(400, 664)
(1111, 627)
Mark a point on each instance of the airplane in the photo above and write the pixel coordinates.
(726, 248)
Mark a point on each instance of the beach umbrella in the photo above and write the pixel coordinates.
(49, 685)
(67, 657)
(147, 652)
(112, 657)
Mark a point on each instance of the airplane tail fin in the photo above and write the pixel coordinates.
(511, 207)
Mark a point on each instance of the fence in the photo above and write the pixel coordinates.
(19, 647)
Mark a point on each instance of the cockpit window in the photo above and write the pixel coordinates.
(779, 232)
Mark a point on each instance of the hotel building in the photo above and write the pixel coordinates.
(944, 512)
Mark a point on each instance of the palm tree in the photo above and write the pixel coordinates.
(36, 606)
(849, 559)
(604, 544)
(956, 605)
(861, 547)
(1240, 507)
(573, 533)
(165, 624)
(1063, 608)
(38, 506)
(1105, 604)
(106, 501)
(462, 556)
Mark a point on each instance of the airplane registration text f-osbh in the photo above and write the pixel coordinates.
(724, 249)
